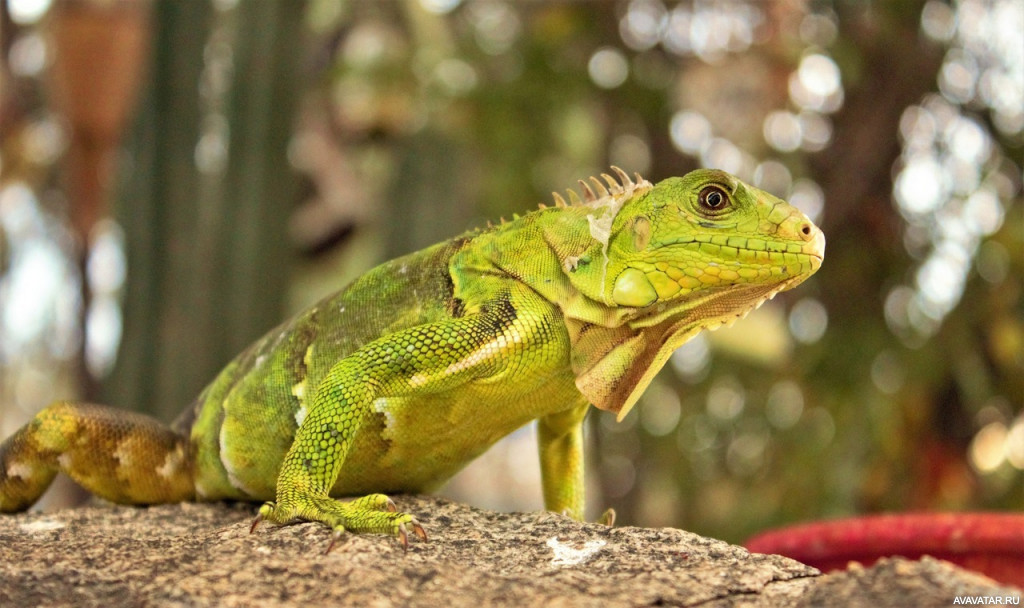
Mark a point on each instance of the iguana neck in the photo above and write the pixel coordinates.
(553, 252)
(614, 351)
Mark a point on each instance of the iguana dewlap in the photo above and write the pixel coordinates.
(399, 380)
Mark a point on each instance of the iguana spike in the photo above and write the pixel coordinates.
(623, 177)
(639, 179)
(600, 187)
(559, 201)
(612, 184)
(490, 224)
(541, 206)
(574, 199)
(588, 194)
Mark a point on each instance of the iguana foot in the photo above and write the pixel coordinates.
(607, 518)
(375, 513)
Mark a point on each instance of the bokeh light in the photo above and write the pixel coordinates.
(496, 26)
(690, 131)
(726, 399)
(952, 191)
(440, 6)
(661, 409)
(988, 448)
(774, 177)
(807, 196)
(692, 360)
(608, 68)
(785, 404)
(808, 320)
(641, 25)
(38, 294)
(27, 12)
(106, 270)
(29, 55)
(951, 186)
(782, 131)
(819, 76)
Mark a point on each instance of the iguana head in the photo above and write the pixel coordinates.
(690, 238)
(665, 261)
(703, 233)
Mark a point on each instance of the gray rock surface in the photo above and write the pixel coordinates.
(203, 555)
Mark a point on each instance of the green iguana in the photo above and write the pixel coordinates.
(399, 380)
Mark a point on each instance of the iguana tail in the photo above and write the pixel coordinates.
(121, 456)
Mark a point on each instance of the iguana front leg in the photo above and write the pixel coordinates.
(429, 358)
(560, 443)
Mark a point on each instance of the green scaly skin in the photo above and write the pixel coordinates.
(402, 378)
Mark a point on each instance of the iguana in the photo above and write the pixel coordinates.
(403, 377)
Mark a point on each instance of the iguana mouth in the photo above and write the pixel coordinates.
(643, 284)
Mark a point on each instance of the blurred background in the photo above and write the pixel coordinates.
(176, 177)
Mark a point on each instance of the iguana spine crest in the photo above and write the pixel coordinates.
(615, 193)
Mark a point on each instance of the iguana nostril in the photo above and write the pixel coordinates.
(805, 230)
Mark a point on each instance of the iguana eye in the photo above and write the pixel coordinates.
(713, 199)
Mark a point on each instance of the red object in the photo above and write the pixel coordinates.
(989, 543)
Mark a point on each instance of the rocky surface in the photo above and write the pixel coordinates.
(203, 555)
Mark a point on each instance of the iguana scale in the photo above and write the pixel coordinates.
(400, 379)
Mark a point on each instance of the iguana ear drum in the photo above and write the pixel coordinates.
(641, 233)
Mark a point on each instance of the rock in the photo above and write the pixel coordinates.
(203, 555)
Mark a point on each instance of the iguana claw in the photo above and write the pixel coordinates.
(418, 529)
(261, 515)
(266, 509)
(403, 537)
(403, 534)
(335, 536)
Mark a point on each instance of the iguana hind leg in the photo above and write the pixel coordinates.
(121, 456)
